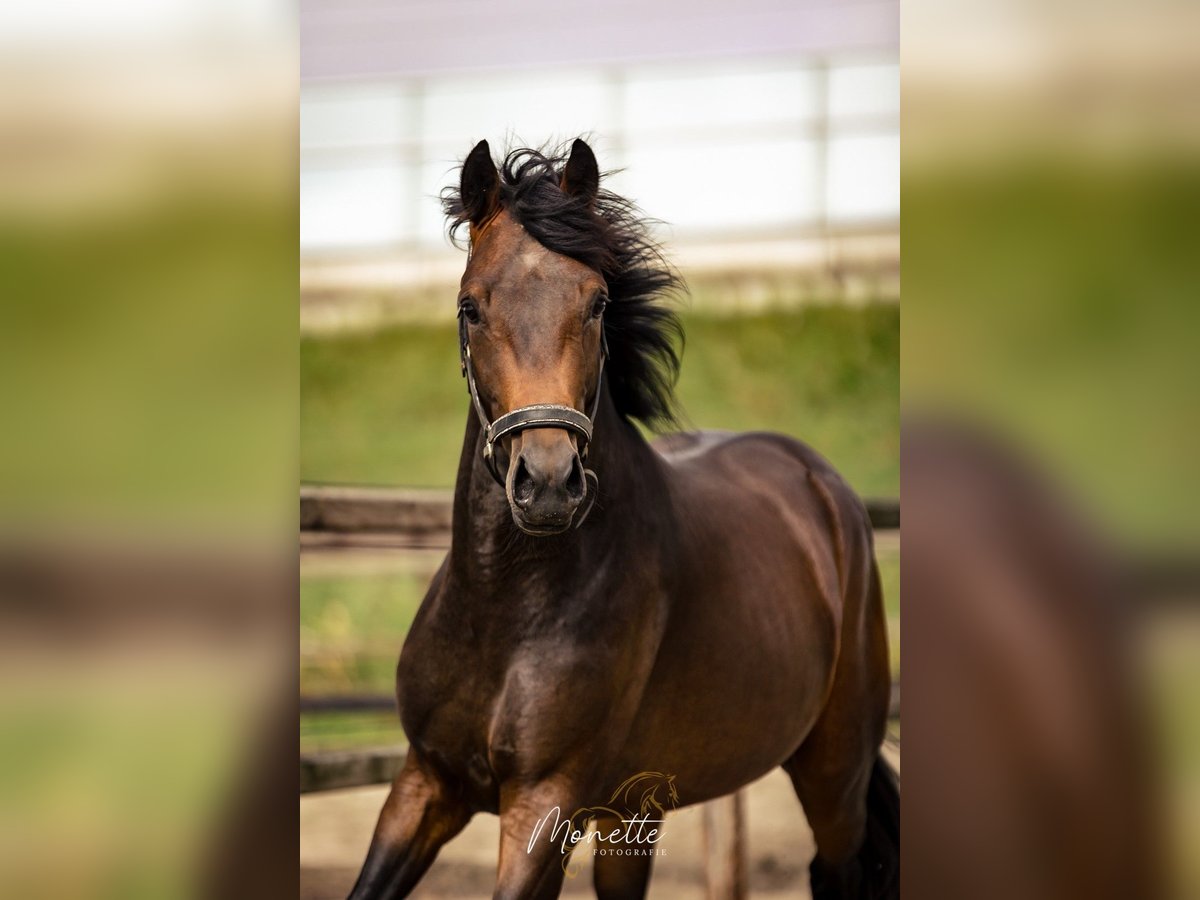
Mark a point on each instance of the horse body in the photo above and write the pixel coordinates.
(747, 658)
(715, 615)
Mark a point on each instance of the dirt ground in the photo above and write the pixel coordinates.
(335, 829)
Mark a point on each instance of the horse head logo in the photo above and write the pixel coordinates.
(646, 793)
(647, 796)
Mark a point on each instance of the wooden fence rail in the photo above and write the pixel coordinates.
(421, 513)
(334, 518)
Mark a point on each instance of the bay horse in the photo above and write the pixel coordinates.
(706, 606)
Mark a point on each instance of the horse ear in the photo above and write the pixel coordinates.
(581, 177)
(480, 185)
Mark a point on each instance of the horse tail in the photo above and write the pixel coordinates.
(879, 855)
(873, 872)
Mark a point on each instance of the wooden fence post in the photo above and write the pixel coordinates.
(725, 848)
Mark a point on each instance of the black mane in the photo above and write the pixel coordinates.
(612, 238)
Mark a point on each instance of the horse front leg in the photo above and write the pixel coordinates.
(420, 814)
(537, 825)
(619, 871)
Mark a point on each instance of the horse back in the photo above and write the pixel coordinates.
(750, 486)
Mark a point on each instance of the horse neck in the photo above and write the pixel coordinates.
(486, 544)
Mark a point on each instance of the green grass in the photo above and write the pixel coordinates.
(829, 375)
(389, 407)
(148, 363)
(352, 628)
(1171, 655)
(889, 576)
(349, 730)
(1054, 299)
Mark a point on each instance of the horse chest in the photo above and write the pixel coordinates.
(484, 715)
(444, 707)
(454, 710)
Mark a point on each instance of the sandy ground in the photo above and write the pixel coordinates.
(335, 829)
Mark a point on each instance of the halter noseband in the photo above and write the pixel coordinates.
(536, 415)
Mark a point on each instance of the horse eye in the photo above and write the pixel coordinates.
(468, 310)
(598, 306)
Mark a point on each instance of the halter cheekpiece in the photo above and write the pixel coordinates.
(536, 415)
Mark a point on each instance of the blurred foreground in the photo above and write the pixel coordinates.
(147, 468)
(1051, 183)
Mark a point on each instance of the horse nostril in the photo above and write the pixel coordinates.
(575, 484)
(523, 485)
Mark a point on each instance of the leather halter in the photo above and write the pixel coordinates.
(536, 415)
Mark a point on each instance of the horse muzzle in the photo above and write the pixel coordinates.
(546, 483)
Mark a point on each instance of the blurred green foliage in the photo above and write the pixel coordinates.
(349, 730)
(351, 629)
(128, 772)
(1052, 297)
(147, 363)
(1056, 299)
(390, 407)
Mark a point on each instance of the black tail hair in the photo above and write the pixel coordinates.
(874, 873)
